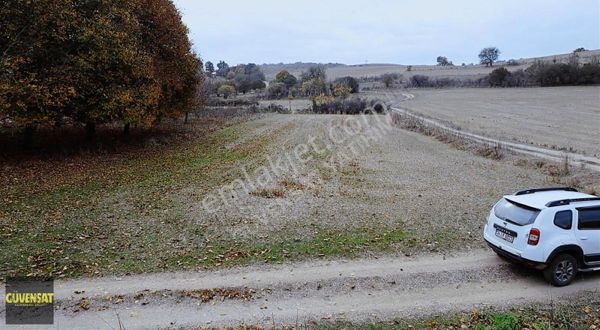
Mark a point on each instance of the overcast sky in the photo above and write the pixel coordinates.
(380, 31)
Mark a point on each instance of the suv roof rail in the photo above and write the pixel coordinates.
(572, 200)
(534, 190)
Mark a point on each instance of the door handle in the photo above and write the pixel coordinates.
(583, 238)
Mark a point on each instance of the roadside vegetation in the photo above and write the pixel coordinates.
(579, 312)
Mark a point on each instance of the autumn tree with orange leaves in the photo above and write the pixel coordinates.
(95, 62)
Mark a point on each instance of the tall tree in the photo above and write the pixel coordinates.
(94, 61)
(222, 69)
(443, 61)
(489, 55)
(286, 78)
(210, 67)
(314, 72)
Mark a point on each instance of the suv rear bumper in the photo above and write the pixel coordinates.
(517, 259)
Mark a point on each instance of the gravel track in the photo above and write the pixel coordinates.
(358, 290)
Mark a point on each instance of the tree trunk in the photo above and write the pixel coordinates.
(126, 133)
(90, 131)
(28, 136)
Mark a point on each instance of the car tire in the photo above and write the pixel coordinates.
(562, 270)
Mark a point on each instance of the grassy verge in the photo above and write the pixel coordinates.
(581, 312)
(323, 243)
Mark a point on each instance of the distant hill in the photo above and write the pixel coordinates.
(336, 70)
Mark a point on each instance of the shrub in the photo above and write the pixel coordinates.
(276, 90)
(589, 74)
(342, 91)
(498, 77)
(314, 87)
(328, 105)
(518, 78)
(286, 78)
(351, 82)
(316, 72)
(226, 91)
(419, 81)
(389, 79)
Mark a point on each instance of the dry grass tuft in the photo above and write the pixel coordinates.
(494, 152)
(269, 192)
(290, 184)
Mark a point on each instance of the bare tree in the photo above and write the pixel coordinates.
(489, 55)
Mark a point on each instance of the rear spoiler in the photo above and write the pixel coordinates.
(534, 190)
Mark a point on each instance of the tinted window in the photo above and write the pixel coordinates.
(563, 219)
(589, 218)
(515, 213)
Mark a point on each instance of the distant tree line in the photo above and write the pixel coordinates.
(241, 78)
(539, 74)
(94, 62)
(312, 83)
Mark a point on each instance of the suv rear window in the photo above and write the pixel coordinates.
(515, 213)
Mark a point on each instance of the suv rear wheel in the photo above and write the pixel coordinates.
(562, 270)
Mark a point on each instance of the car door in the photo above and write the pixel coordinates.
(588, 233)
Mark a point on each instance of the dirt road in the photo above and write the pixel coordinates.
(368, 289)
(590, 162)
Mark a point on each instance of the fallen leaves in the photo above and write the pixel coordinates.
(218, 294)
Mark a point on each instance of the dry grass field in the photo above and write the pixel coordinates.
(335, 71)
(557, 117)
(130, 217)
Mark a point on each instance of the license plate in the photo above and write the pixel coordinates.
(505, 236)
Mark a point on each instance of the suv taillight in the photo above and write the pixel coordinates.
(534, 236)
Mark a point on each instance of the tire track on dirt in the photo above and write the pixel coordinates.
(590, 162)
(355, 290)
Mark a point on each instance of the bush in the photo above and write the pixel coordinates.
(419, 81)
(389, 79)
(276, 90)
(518, 78)
(557, 74)
(286, 78)
(352, 106)
(314, 87)
(226, 91)
(589, 74)
(498, 77)
(349, 82)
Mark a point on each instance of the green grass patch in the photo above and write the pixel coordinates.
(125, 216)
(325, 243)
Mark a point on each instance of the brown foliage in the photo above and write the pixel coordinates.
(94, 62)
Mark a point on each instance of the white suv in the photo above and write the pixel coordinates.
(556, 230)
